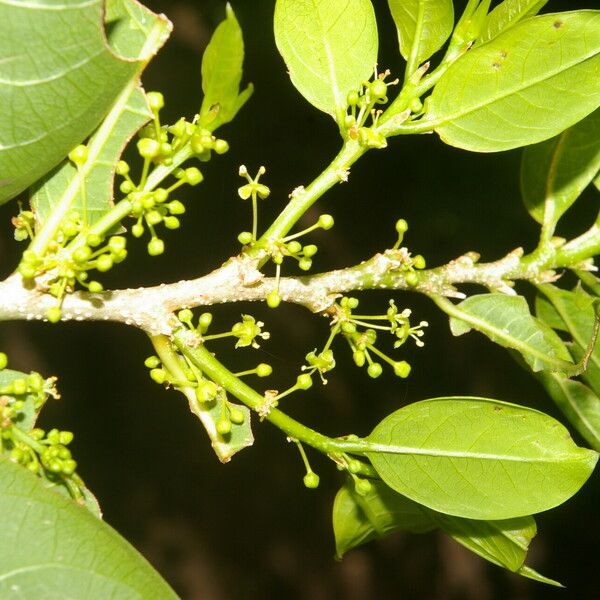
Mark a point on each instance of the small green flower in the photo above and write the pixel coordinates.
(247, 330)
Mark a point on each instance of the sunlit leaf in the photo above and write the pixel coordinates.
(222, 72)
(136, 33)
(423, 26)
(555, 172)
(507, 14)
(478, 458)
(56, 92)
(527, 85)
(52, 548)
(329, 47)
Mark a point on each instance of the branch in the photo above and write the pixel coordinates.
(240, 279)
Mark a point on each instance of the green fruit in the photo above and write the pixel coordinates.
(155, 101)
(311, 480)
(155, 247)
(95, 287)
(78, 155)
(402, 369)
(363, 487)
(223, 426)
(236, 416)
(54, 314)
(104, 263)
(204, 321)
(273, 299)
(325, 222)
(304, 381)
(3, 360)
(264, 370)
(82, 254)
(378, 89)
(148, 148)
(152, 362)
(137, 230)
(374, 370)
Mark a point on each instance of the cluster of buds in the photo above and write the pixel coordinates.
(44, 454)
(361, 333)
(78, 247)
(362, 105)
(69, 258)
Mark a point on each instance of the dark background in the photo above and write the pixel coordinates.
(249, 529)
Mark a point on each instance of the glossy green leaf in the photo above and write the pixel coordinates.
(555, 172)
(506, 320)
(545, 312)
(576, 311)
(59, 90)
(329, 48)
(527, 85)
(359, 519)
(137, 33)
(52, 548)
(478, 458)
(423, 26)
(222, 72)
(579, 404)
(507, 14)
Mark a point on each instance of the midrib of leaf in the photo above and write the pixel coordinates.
(416, 45)
(560, 382)
(98, 140)
(37, 6)
(488, 101)
(95, 147)
(436, 452)
(330, 60)
(565, 316)
(549, 199)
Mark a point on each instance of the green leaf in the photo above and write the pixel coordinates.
(240, 437)
(579, 404)
(59, 90)
(555, 172)
(478, 458)
(52, 548)
(329, 47)
(507, 14)
(31, 408)
(576, 311)
(506, 320)
(222, 72)
(138, 34)
(423, 26)
(527, 85)
(359, 519)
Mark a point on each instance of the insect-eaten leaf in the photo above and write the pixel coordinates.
(526, 85)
